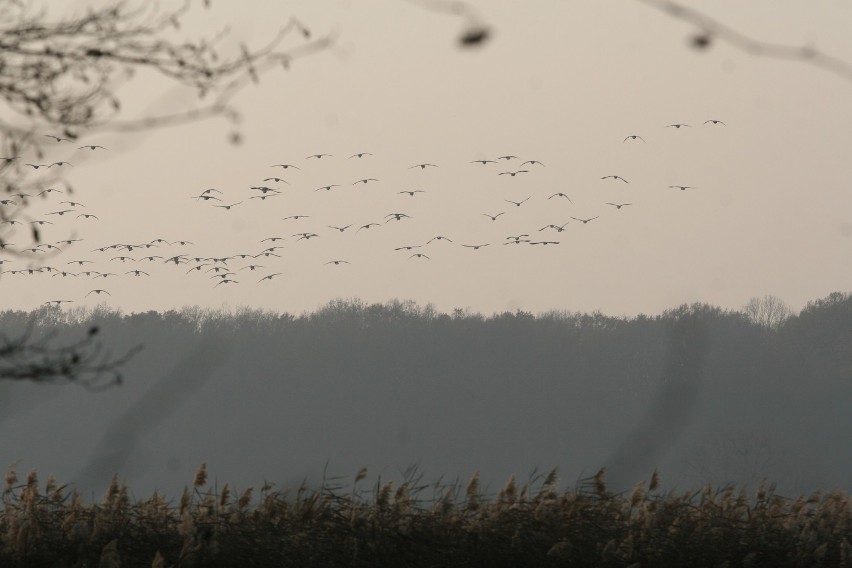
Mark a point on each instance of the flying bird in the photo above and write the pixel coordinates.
(678, 126)
(507, 158)
(37, 166)
(269, 277)
(513, 174)
(277, 180)
(559, 228)
(422, 166)
(516, 203)
(476, 247)
(228, 207)
(87, 216)
(360, 155)
(327, 187)
(368, 225)
(715, 122)
(438, 238)
(60, 164)
(99, 292)
(533, 162)
(264, 189)
(584, 221)
(483, 162)
(49, 190)
(364, 181)
(560, 194)
(397, 216)
(58, 138)
(419, 255)
(616, 177)
(682, 187)
(285, 166)
(341, 229)
(634, 137)
(411, 193)
(296, 217)
(137, 272)
(494, 217)
(319, 156)
(336, 262)
(619, 205)
(226, 281)
(91, 147)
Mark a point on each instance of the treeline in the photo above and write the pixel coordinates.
(399, 383)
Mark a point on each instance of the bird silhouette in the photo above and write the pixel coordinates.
(411, 193)
(682, 187)
(88, 216)
(336, 262)
(295, 217)
(483, 162)
(137, 272)
(58, 138)
(619, 205)
(327, 187)
(360, 155)
(99, 291)
(397, 217)
(368, 225)
(516, 203)
(634, 137)
(226, 281)
(513, 174)
(364, 181)
(285, 166)
(270, 276)
(558, 228)
(476, 247)
(715, 122)
(319, 156)
(37, 166)
(507, 158)
(584, 221)
(533, 162)
(341, 229)
(616, 177)
(678, 126)
(560, 194)
(419, 255)
(422, 166)
(60, 164)
(91, 147)
(277, 180)
(229, 206)
(494, 217)
(265, 189)
(438, 238)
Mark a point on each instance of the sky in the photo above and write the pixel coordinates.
(560, 82)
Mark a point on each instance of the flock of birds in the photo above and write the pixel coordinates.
(224, 270)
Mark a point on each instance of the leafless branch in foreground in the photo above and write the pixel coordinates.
(711, 29)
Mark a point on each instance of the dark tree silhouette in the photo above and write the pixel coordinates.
(58, 83)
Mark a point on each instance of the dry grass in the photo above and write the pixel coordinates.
(535, 524)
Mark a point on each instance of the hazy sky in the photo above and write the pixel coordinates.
(562, 82)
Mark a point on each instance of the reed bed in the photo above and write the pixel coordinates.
(416, 524)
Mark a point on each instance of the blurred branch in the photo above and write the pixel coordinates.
(713, 29)
(83, 362)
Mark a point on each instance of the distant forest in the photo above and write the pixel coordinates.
(714, 395)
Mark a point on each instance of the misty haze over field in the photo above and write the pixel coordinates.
(494, 237)
(702, 394)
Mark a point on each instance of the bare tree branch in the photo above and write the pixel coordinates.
(713, 29)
